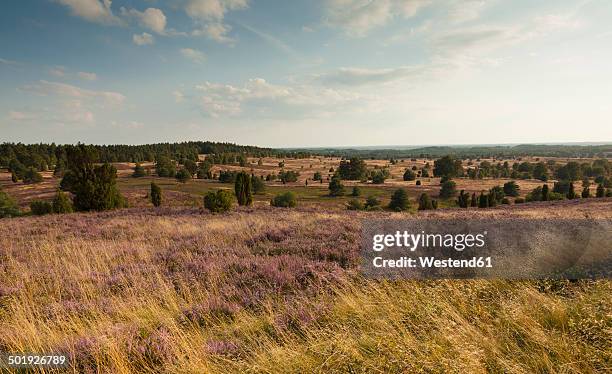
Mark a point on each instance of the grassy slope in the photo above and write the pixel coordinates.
(272, 290)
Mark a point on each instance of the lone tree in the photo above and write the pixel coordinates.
(61, 203)
(399, 200)
(139, 171)
(156, 194)
(409, 175)
(511, 189)
(94, 187)
(449, 189)
(336, 188)
(242, 189)
(354, 169)
(218, 202)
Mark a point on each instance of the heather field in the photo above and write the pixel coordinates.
(271, 290)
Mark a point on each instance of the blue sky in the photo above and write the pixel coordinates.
(306, 73)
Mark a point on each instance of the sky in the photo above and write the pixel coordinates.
(307, 73)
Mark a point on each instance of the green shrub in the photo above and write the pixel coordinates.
(139, 171)
(183, 175)
(32, 176)
(449, 189)
(257, 184)
(242, 189)
(372, 203)
(156, 194)
(425, 203)
(284, 200)
(40, 208)
(354, 204)
(62, 203)
(218, 202)
(356, 192)
(511, 189)
(399, 200)
(519, 200)
(8, 206)
(409, 175)
(336, 188)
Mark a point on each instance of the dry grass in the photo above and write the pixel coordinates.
(269, 290)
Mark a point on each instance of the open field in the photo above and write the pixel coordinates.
(313, 194)
(180, 290)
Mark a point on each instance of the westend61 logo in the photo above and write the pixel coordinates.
(514, 248)
(415, 241)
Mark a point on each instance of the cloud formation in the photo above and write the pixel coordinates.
(143, 39)
(93, 10)
(194, 55)
(152, 19)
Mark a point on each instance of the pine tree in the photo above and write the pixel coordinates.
(571, 194)
(601, 191)
(425, 202)
(586, 193)
(62, 203)
(463, 199)
(399, 200)
(474, 201)
(483, 201)
(156, 194)
(139, 171)
(242, 189)
(336, 188)
(545, 192)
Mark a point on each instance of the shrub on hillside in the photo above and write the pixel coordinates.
(284, 200)
(511, 189)
(183, 176)
(217, 202)
(426, 203)
(62, 203)
(372, 203)
(8, 206)
(354, 204)
(336, 188)
(242, 189)
(156, 194)
(139, 171)
(409, 175)
(449, 189)
(257, 184)
(40, 208)
(399, 200)
(32, 176)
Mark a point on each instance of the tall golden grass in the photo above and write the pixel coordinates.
(274, 291)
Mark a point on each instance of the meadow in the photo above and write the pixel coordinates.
(177, 289)
(270, 290)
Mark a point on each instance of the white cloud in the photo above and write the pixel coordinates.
(361, 76)
(152, 19)
(58, 71)
(259, 97)
(46, 88)
(143, 39)
(194, 55)
(87, 76)
(209, 16)
(93, 10)
(178, 96)
(358, 17)
(466, 10)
